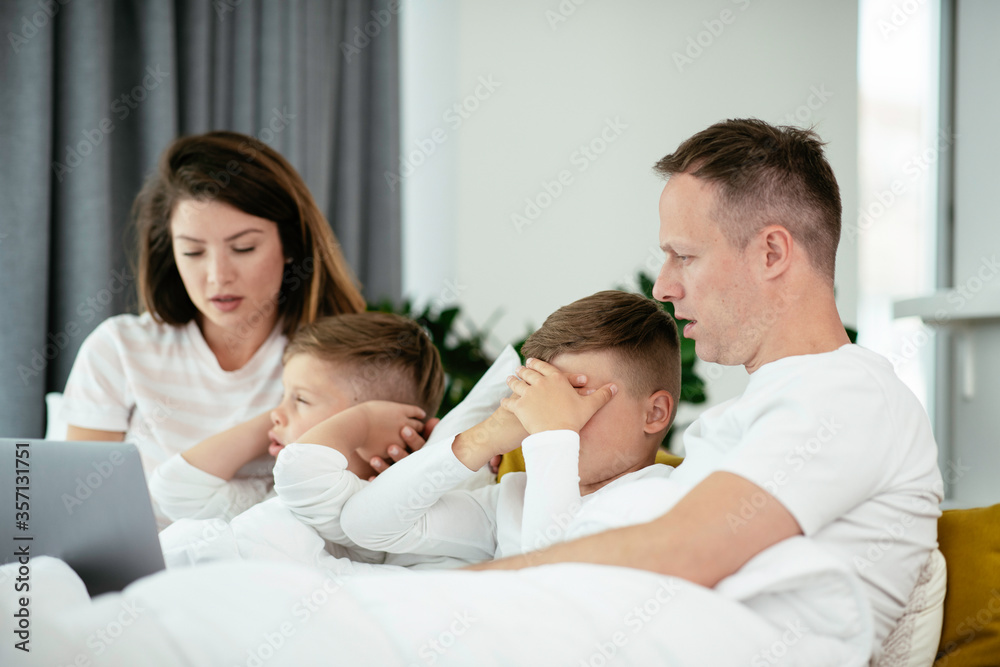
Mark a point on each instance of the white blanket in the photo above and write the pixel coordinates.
(791, 605)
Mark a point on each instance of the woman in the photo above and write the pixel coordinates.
(233, 255)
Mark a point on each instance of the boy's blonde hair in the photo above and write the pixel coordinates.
(642, 335)
(389, 357)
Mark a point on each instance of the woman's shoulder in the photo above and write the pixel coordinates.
(131, 329)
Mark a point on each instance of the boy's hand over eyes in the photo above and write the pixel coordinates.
(546, 400)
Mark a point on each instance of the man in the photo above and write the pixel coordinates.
(826, 441)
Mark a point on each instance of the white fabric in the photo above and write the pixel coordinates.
(55, 427)
(915, 639)
(845, 446)
(183, 491)
(301, 524)
(791, 605)
(266, 531)
(163, 387)
(413, 507)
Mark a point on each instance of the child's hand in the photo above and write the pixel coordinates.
(545, 400)
(365, 431)
(384, 422)
(498, 434)
(412, 441)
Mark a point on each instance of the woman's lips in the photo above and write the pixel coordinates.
(226, 302)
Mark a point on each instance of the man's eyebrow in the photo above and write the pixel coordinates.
(679, 248)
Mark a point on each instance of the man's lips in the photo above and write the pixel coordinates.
(226, 302)
(688, 327)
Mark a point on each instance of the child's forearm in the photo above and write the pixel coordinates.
(344, 431)
(500, 433)
(223, 454)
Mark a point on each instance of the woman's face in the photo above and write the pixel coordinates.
(231, 264)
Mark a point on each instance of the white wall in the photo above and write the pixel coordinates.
(556, 86)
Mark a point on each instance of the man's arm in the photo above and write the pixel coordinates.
(707, 536)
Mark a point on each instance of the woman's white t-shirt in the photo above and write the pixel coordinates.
(163, 386)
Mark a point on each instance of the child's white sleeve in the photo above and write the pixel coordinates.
(552, 493)
(314, 484)
(413, 507)
(183, 491)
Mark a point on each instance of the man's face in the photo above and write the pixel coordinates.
(709, 281)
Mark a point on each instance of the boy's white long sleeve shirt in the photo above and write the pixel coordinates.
(313, 483)
(414, 506)
(183, 491)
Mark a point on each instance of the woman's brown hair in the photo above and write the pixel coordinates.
(246, 174)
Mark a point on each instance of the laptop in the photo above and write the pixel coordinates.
(83, 502)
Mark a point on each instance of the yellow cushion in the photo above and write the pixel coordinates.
(514, 461)
(970, 542)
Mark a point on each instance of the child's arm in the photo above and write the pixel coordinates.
(316, 476)
(413, 506)
(553, 411)
(365, 431)
(552, 499)
(198, 484)
(313, 483)
(223, 454)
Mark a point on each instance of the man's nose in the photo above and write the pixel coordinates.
(667, 287)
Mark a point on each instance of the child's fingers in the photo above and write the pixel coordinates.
(429, 427)
(397, 453)
(412, 438)
(516, 385)
(529, 375)
(600, 396)
(541, 367)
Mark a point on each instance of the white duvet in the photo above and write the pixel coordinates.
(790, 605)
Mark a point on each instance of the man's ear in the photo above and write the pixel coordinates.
(659, 409)
(777, 245)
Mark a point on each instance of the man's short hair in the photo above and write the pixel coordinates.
(766, 175)
(636, 329)
(389, 357)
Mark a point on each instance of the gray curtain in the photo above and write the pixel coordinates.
(91, 93)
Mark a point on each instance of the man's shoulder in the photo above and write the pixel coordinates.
(843, 371)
